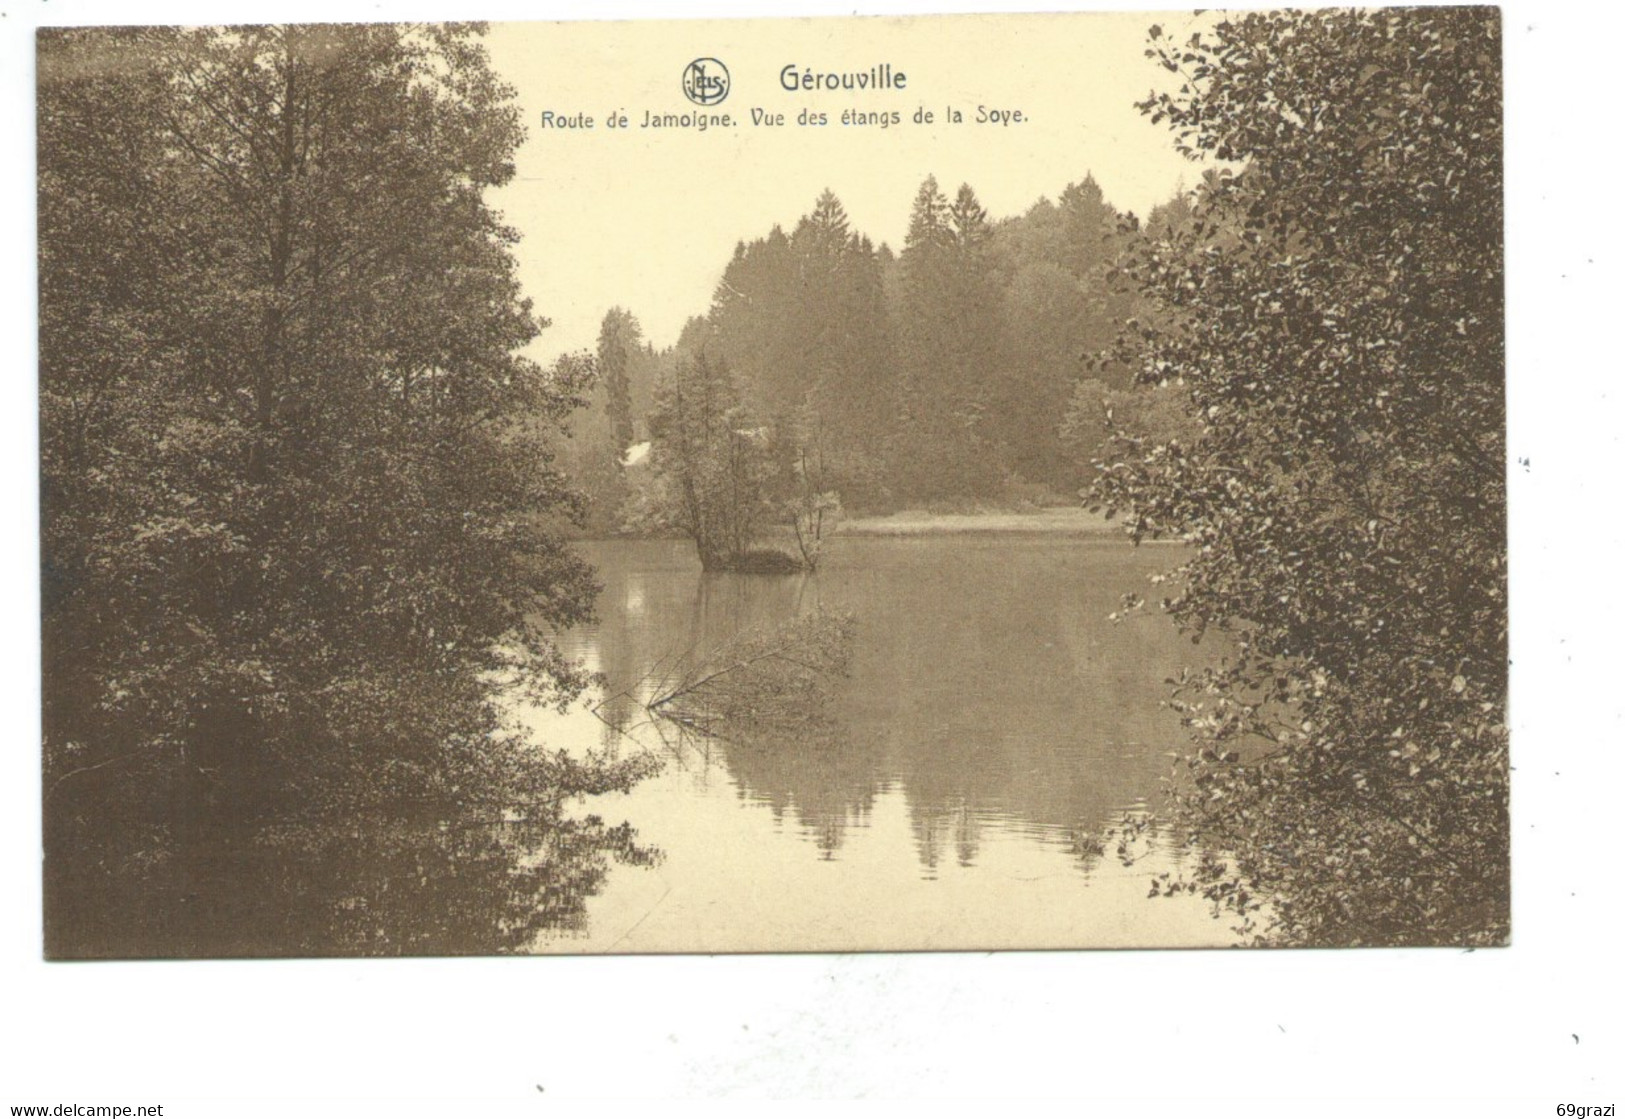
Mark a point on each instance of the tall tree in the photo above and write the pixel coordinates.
(1333, 313)
(846, 353)
(967, 218)
(947, 332)
(928, 220)
(801, 320)
(619, 339)
(1060, 309)
(757, 324)
(590, 456)
(292, 460)
(713, 464)
(826, 232)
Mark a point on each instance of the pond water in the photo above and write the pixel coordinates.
(991, 719)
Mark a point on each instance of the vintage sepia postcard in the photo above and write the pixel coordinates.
(894, 483)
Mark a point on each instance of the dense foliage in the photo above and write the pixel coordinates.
(293, 472)
(1332, 317)
(946, 374)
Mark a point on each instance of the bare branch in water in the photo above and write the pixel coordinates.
(782, 677)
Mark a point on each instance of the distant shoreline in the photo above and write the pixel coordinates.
(1065, 521)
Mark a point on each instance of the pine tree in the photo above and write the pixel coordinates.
(947, 331)
(618, 341)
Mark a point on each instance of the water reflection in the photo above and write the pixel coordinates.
(991, 716)
(383, 887)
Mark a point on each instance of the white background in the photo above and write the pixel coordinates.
(1529, 1027)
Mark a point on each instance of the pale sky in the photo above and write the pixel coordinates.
(647, 218)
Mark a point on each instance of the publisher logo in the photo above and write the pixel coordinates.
(705, 81)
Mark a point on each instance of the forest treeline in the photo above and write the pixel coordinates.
(973, 366)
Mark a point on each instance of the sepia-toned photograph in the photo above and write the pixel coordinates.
(784, 485)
